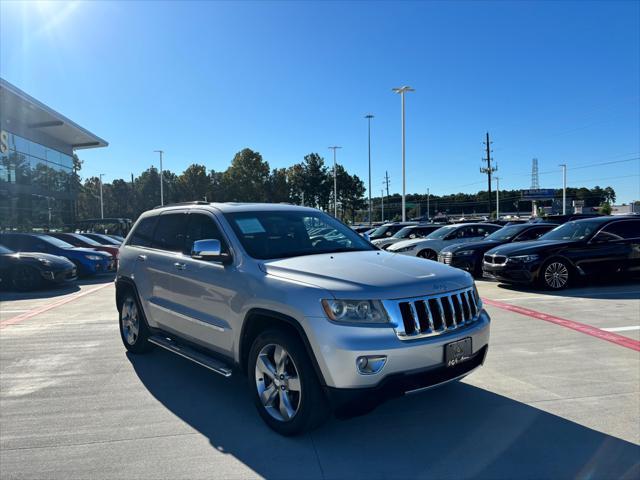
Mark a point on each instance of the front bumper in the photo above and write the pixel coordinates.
(337, 348)
(525, 273)
(356, 400)
(463, 262)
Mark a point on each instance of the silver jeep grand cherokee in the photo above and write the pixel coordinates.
(315, 316)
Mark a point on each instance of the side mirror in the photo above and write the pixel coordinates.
(210, 249)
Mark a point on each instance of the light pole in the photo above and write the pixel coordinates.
(402, 91)
(369, 117)
(161, 152)
(564, 188)
(101, 204)
(497, 198)
(382, 204)
(428, 210)
(335, 182)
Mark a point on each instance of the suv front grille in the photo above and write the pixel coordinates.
(434, 315)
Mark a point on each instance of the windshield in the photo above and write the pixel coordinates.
(87, 240)
(441, 232)
(572, 231)
(283, 234)
(380, 231)
(55, 241)
(5, 250)
(505, 233)
(404, 232)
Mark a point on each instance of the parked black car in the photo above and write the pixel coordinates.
(562, 218)
(31, 270)
(388, 229)
(469, 256)
(608, 247)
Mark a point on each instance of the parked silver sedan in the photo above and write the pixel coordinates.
(407, 233)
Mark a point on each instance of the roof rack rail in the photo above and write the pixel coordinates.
(196, 202)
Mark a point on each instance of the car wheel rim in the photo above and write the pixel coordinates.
(428, 255)
(278, 382)
(556, 275)
(130, 321)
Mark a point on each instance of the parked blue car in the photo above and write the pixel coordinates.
(87, 261)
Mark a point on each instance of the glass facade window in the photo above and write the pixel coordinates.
(35, 185)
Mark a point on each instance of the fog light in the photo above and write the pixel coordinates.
(370, 364)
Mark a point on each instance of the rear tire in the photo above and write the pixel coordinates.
(428, 254)
(555, 275)
(134, 330)
(284, 384)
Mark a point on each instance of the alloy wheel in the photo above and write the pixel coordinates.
(556, 275)
(278, 382)
(130, 321)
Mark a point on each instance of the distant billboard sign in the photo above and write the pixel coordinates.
(538, 194)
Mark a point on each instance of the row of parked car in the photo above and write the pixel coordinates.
(548, 254)
(32, 260)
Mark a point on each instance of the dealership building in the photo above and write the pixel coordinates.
(36, 162)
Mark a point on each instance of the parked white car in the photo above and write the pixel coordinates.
(430, 246)
(407, 233)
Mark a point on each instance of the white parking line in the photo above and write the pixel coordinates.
(621, 329)
(13, 311)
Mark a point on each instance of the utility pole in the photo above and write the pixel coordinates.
(497, 198)
(386, 183)
(369, 117)
(402, 91)
(382, 204)
(101, 203)
(335, 182)
(489, 169)
(564, 188)
(161, 152)
(428, 210)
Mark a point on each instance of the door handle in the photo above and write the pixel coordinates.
(142, 258)
(180, 266)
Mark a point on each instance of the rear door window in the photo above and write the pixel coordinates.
(170, 232)
(623, 230)
(143, 234)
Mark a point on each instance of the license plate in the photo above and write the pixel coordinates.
(456, 352)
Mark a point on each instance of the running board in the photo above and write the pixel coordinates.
(191, 354)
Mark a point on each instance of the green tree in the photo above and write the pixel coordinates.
(605, 208)
(193, 184)
(278, 190)
(247, 179)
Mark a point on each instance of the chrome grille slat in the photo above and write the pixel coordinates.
(419, 317)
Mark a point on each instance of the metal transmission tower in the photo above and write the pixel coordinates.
(488, 169)
(535, 178)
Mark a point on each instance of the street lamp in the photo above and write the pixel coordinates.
(564, 188)
(161, 152)
(335, 182)
(101, 203)
(497, 198)
(369, 117)
(402, 91)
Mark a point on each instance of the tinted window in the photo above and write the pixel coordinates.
(626, 229)
(202, 227)
(170, 232)
(573, 231)
(142, 236)
(55, 241)
(483, 230)
(532, 233)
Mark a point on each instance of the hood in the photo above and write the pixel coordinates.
(407, 243)
(483, 245)
(55, 260)
(370, 275)
(530, 247)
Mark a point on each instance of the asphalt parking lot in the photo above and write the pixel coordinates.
(558, 397)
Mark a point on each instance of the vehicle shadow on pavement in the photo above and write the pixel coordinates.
(55, 291)
(619, 290)
(457, 431)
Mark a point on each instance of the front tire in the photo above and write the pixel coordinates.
(428, 254)
(25, 279)
(284, 384)
(133, 326)
(555, 274)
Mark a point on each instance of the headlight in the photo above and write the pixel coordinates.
(404, 249)
(523, 258)
(44, 261)
(355, 311)
(464, 252)
(95, 258)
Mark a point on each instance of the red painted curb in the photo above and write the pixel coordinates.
(37, 311)
(563, 322)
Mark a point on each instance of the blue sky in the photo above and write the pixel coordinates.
(559, 81)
